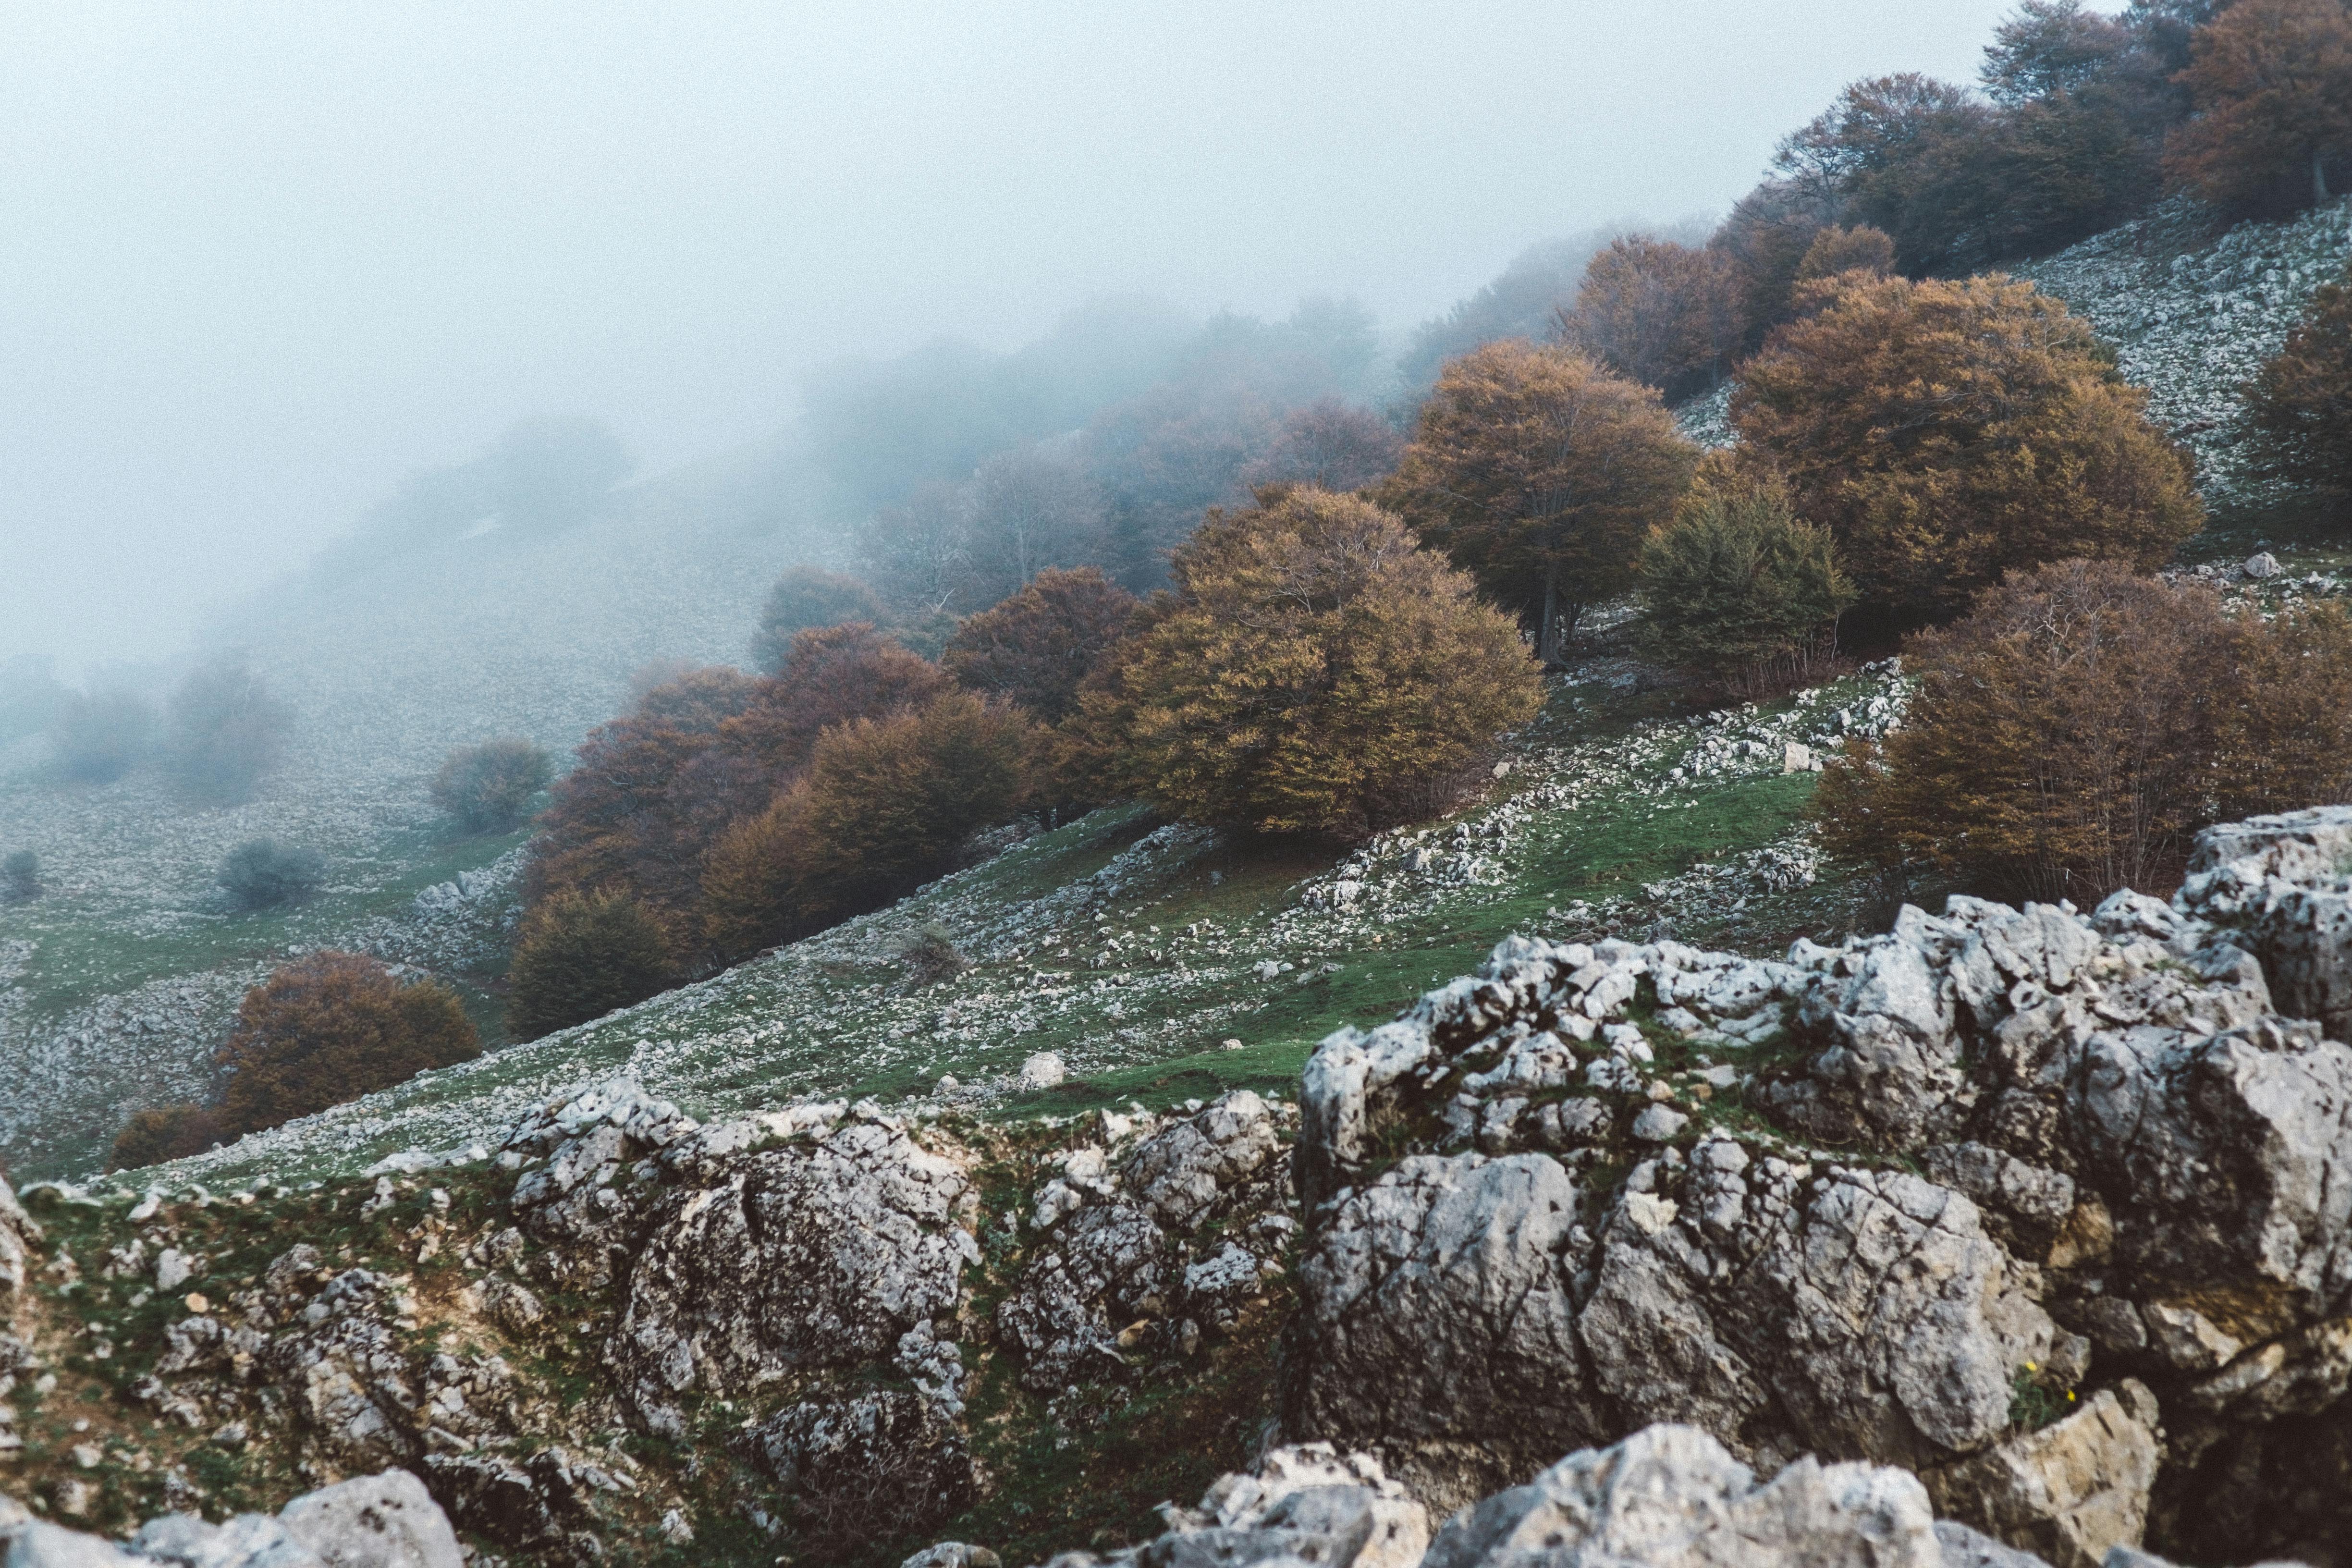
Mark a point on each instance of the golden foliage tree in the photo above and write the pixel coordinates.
(1666, 315)
(1949, 432)
(2300, 404)
(1539, 472)
(2070, 736)
(1318, 671)
(329, 1027)
(1034, 648)
(2272, 82)
(883, 807)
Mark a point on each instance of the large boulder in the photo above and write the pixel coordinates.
(762, 1266)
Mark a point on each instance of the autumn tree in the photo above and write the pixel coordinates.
(1946, 433)
(919, 554)
(1539, 472)
(2073, 733)
(1034, 648)
(2272, 82)
(97, 737)
(1836, 251)
(804, 597)
(488, 788)
(1033, 510)
(328, 1028)
(1737, 581)
(165, 1132)
(615, 822)
(224, 731)
(2300, 404)
(1766, 238)
(1317, 672)
(1906, 154)
(883, 807)
(1664, 314)
(581, 955)
(1331, 445)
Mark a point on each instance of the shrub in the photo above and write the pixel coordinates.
(931, 956)
(803, 598)
(328, 1028)
(488, 788)
(166, 1133)
(20, 878)
(581, 956)
(883, 807)
(1318, 672)
(1664, 314)
(2272, 82)
(1539, 472)
(1036, 646)
(1946, 432)
(224, 731)
(2300, 405)
(263, 874)
(1737, 581)
(98, 737)
(2071, 736)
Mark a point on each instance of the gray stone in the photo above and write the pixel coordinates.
(383, 1520)
(249, 1541)
(2069, 1492)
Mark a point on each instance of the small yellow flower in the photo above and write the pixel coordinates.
(2030, 1367)
(2070, 1397)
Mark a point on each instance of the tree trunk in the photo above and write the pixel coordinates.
(1547, 635)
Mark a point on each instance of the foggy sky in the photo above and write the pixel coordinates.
(258, 261)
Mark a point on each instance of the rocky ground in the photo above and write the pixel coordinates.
(2004, 1236)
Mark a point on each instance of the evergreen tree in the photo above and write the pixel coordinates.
(1737, 580)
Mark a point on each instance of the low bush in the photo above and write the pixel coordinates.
(328, 1028)
(224, 731)
(1737, 582)
(20, 878)
(98, 737)
(803, 598)
(263, 874)
(488, 788)
(165, 1132)
(580, 956)
(931, 956)
(2071, 736)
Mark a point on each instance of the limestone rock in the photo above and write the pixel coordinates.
(249, 1541)
(814, 1256)
(833, 1456)
(2069, 1492)
(383, 1520)
(18, 1236)
(1670, 1496)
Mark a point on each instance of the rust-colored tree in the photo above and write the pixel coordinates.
(1318, 672)
(1948, 433)
(1664, 314)
(2069, 737)
(2300, 405)
(1539, 472)
(165, 1132)
(883, 806)
(1836, 252)
(1036, 646)
(2272, 82)
(803, 598)
(1331, 445)
(330, 1028)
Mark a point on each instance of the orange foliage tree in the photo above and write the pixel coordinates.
(1318, 671)
(1666, 315)
(1947, 432)
(1539, 472)
(1036, 646)
(2272, 82)
(328, 1028)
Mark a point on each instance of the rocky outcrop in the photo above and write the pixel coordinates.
(1140, 1256)
(385, 1520)
(765, 1265)
(1666, 1497)
(1899, 1200)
